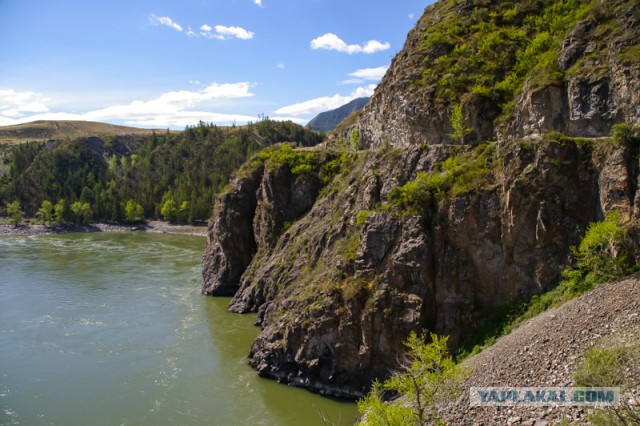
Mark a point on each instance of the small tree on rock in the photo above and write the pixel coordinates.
(460, 130)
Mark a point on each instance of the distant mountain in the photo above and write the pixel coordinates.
(328, 120)
(45, 130)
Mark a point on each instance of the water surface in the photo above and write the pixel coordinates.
(110, 329)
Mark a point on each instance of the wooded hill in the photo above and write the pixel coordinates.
(175, 176)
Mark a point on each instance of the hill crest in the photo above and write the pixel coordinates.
(42, 130)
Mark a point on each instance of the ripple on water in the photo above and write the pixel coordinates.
(113, 328)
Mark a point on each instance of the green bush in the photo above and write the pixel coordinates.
(601, 256)
(625, 133)
(427, 375)
(362, 216)
(15, 213)
(456, 175)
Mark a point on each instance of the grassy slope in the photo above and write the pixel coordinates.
(45, 130)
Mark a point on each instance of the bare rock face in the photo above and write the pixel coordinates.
(249, 216)
(231, 241)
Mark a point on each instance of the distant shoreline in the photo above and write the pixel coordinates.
(156, 226)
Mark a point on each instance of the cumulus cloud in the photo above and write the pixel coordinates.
(16, 104)
(166, 21)
(222, 32)
(326, 103)
(258, 2)
(174, 108)
(366, 74)
(330, 41)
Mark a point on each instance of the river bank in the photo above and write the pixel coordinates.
(156, 226)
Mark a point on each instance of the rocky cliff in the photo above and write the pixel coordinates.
(513, 74)
(343, 252)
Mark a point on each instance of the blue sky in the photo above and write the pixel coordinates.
(162, 63)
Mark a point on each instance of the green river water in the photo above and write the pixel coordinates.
(110, 329)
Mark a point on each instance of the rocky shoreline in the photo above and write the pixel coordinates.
(150, 226)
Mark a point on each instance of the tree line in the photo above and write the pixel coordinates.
(173, 176)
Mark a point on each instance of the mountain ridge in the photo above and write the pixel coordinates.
(329, 120)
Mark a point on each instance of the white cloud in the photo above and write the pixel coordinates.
(258, 2)
(16, 104)
(172, 103)
(411, 16)
(224, 33)
(175, 108)
(326, 103)
(280, 66)
(330, 41)
(219, 32)
(166, 21)
(366, 74)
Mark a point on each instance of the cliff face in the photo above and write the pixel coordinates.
(343, 253)
(338, 292)
(587, 79)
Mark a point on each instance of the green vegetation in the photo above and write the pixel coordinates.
(133, 212)
(601, 256)
(355, 139)
(82, 212)
(15, 213)
(632, 54)
(606, 367)
(173, 175)
(604, 254)
(362, 216)
(456, 175)
(427, 375)
(460, 129)
(45, 212)
(298, 162)
(489, 49)
(625, 133)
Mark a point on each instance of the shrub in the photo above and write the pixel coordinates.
(362, 216)
(626, 133)
(15, 213)
(601, 256)
(456, 175)
(427, 375)
(609, 367)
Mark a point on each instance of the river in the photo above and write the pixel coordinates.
(110, 329)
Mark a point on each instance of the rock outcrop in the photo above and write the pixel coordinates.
(594, 84)
(336, 294)
(341, 254)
